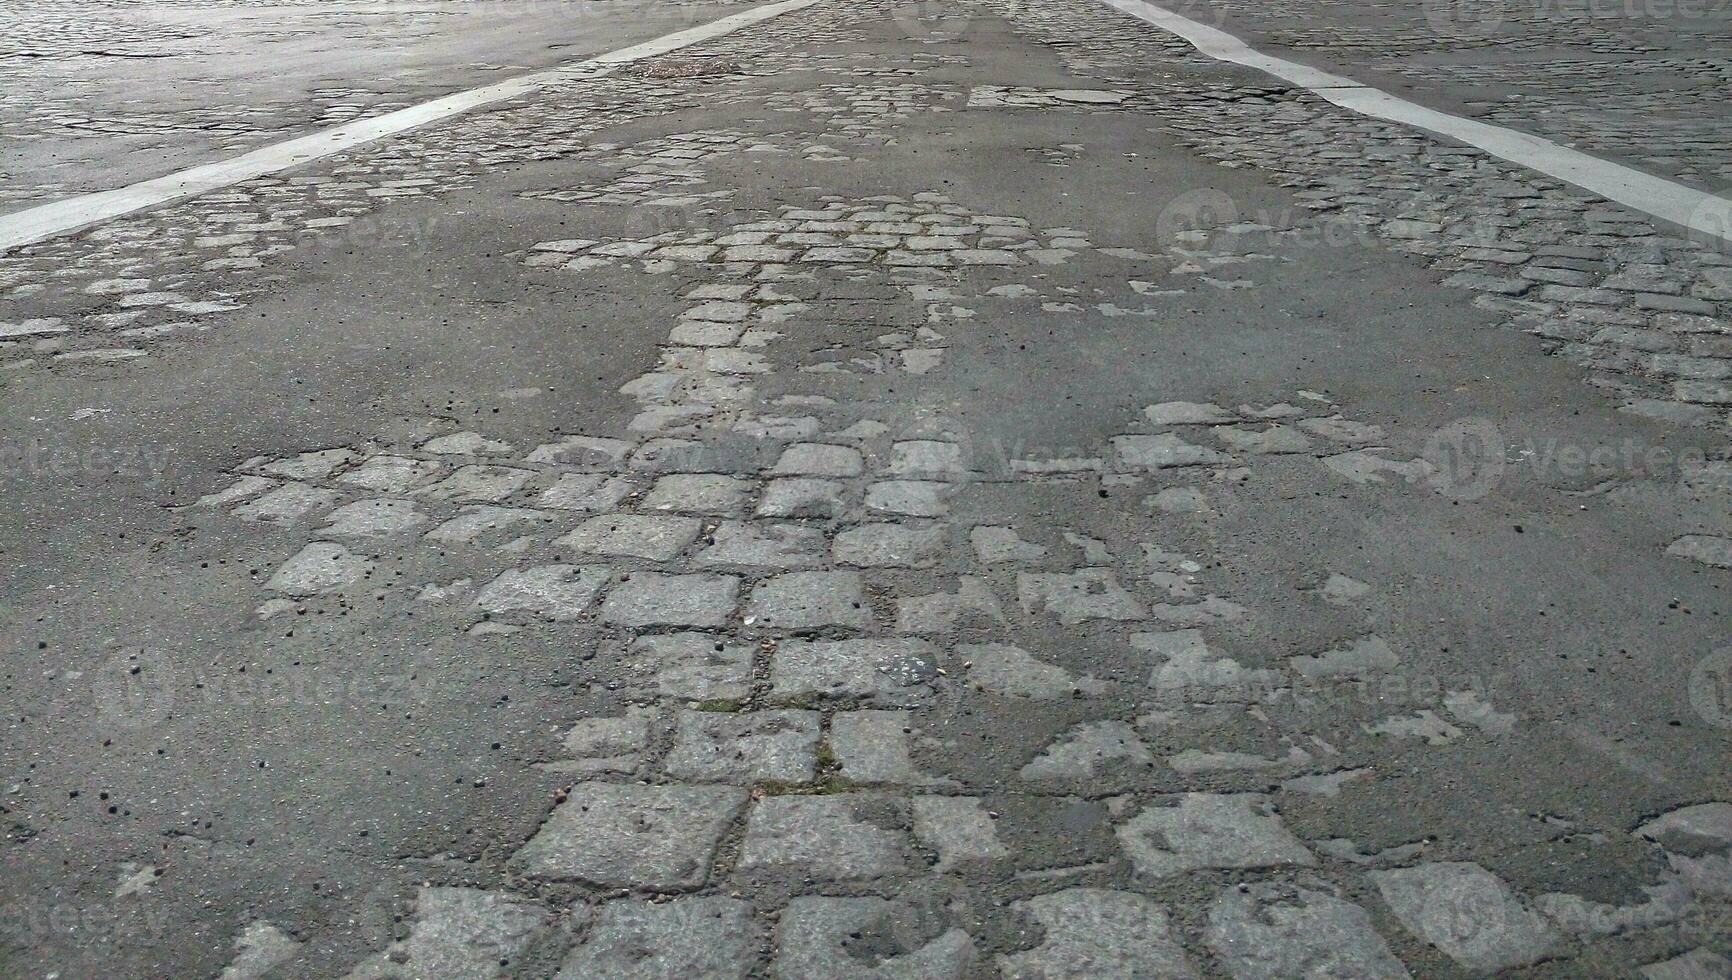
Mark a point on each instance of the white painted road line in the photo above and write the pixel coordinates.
(39, 223)
(1667, 200)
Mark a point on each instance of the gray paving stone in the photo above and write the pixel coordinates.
(465, 444)
(1188, 670)
(912, 498)
(994, 545)
(1211, 610)
(810, 600)
(241, 489)
(818, 459)
(864, 938)
(1469, 913)
(672, 456)
(801, 497)
(959, 828)
(1705, 548)
(1341, 590)
(478, 521)
(985, 256)
(319, 568)
(1087, 593)
(1700, 963)
(481, 482)
(723, 312)
(744, 748)
(1188, 413)
(1094, 550)
(927, 459)
(629, 836)
(1209, 830)
(557, 592)
(583, 452)
(633, 536)
(1272, 932)
(1274, 440)
(391, 474)
(316, 465)
(606, 744)
(1177, 500)
(711, 938)
(586, 492)
(837, 255)
(1096, 934)
(653, 599)
(1344, 430)
(700, 493)
(971, 605)
(373, 519)
(1087, 750)
(873, 746)
(1000, 668)
(1364, 657)
(834, 837)
(1164, 451)
(286, 504)
(1674, 304)
(890, 545)
(461, 933)
(260, 948)
(696, 666)
(889, 672)
(758, 253)
(1703, 392)
(761, 544)
(1693, 828)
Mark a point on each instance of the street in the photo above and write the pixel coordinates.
(956, 489)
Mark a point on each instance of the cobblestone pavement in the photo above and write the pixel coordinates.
(970, 489)
(95, 94)
(1636, 81)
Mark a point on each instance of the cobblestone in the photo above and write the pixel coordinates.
(687, 937)
(1092, 932)
(1504, 933)
(650, 837)
(765, 746)
(828, 837)
(789, 721)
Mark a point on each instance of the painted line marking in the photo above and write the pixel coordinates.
(59, 217)
(1699, 211)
